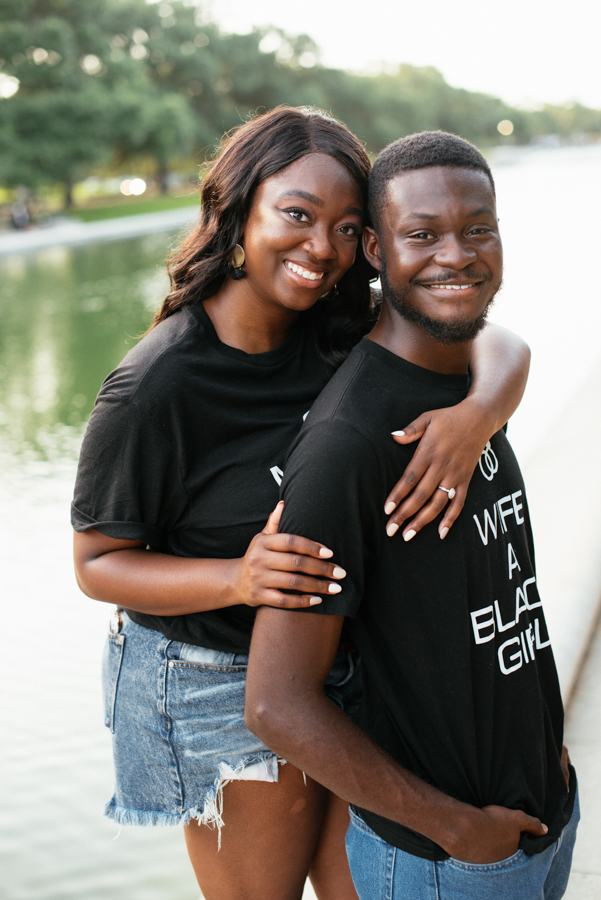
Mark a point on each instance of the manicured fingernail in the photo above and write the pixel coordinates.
(334, 589)
(280, 502)
(323, 551)
(409, 535)
(313, 601)
(392, 529)
(338, 572)
(390, 507)
(398, 433)
(443, 533)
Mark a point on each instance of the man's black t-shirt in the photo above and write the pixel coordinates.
(460, 685)
(185, 448)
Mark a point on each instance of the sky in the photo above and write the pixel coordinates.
(525, 51)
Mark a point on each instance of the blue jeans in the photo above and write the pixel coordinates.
(176, 714)
(382, 872)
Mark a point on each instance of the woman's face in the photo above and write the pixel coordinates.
(302, 232)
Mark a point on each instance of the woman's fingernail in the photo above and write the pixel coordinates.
(546, 827)
(398, 433)
(313, 601)
(338, 572)
(409, 535)
(280, 502)
(443, 533)
(390, 507)
(334, 589)
(323, 551)
(392, 529)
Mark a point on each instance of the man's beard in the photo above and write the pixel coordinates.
(452, 331)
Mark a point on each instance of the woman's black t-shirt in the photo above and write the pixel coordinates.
(185, 449)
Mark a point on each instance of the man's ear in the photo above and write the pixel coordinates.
(371, 248)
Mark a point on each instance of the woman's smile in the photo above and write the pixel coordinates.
(303, 273)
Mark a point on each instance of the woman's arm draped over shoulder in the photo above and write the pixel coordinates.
(451, 440)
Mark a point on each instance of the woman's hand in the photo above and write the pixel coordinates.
(451, 442)
(277, 562)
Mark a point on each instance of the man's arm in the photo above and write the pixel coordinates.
(290, 658)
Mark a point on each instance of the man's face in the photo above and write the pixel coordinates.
(439, 250)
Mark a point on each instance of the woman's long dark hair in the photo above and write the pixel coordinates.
(253, 152)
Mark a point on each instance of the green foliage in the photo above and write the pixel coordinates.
(112, 81)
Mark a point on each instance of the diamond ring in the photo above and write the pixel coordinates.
(450, 491)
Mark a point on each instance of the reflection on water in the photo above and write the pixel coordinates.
(68, 316)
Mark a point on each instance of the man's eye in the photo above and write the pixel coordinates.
(481, 229)
(421, 235)
(299, 215)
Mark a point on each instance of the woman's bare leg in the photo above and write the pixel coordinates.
(267, 842)
(329, 872)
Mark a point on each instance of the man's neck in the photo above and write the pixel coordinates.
(410, 341)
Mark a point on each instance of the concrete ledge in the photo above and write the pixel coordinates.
(564, 493)
(74, 233)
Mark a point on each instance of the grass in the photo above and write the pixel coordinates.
(131, 207)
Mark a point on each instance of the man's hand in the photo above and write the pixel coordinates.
(493, 834)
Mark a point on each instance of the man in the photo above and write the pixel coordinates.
(457, 761)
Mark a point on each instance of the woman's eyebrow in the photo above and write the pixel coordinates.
(304, 195)
(317, 201)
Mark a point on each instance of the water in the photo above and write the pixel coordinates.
(67, 316)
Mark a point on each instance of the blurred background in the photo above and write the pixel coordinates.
(108, 109)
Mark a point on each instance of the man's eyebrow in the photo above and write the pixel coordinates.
(482, 210)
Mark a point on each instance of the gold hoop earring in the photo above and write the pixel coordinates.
(236, 261)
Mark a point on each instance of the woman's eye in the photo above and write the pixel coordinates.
(299, 215)
(351, 230)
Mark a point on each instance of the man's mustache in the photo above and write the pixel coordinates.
(454, 276)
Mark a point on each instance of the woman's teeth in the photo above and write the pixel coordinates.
(305, 273)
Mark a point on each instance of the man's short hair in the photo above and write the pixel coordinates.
(420, 151)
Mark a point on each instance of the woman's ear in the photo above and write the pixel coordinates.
(371, 248)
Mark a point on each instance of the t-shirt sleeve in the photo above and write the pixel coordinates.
(333, 491)
(128, 484)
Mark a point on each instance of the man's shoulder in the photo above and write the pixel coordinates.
(357, 396)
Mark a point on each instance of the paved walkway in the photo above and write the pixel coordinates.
(72, 233)
(583, 737)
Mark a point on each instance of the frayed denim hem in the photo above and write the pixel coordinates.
(211, 813)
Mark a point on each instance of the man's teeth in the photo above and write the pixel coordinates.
(305, 273)
(453, 287)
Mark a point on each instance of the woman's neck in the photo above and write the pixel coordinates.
(244, 322)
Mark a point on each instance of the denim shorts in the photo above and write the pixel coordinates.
(176, 713)
(382, 872)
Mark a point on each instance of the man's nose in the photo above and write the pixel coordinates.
(319, 244)
(455, 252)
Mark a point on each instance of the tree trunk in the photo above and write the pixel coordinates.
(162, 177)
(68, 196)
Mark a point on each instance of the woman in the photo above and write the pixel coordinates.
(180, 467)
